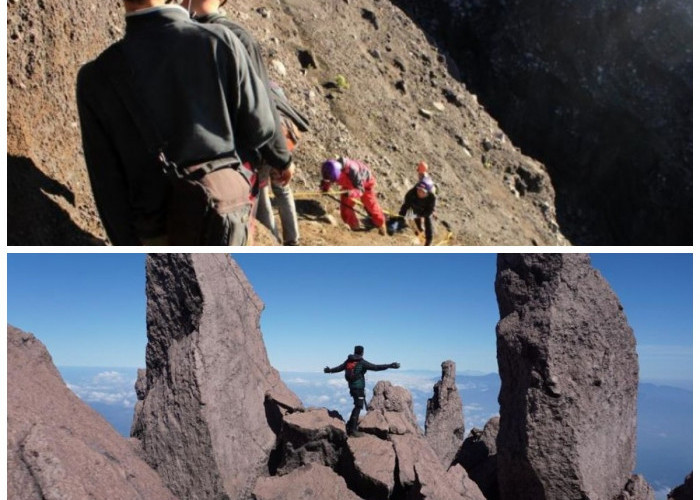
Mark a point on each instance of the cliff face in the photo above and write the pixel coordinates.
(207, 409)
(569, 373)
(57, 446)
(601, 92)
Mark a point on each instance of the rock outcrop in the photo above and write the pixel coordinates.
(212, 401)
(310, 482)
(390, 411)
(394, 459)
(313, 436)
(444, 420)
(57, 446)
(684, 491)
(478, 457)
(569, 375)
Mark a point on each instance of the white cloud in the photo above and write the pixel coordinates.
(110, 377)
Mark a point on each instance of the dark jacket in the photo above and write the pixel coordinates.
(365, 365)
(198, 87)
(275, 152)
(422, 207)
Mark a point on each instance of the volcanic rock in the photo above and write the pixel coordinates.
(390, 411)
(373, 460)
(478, 456)
(207, 422)
(310, 482)
(312, 436)
(444, 420)
(636, 489)
(684, 491)
(569, 377)
(57, 446)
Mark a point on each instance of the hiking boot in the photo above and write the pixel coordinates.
(382, 229)
(356, 434)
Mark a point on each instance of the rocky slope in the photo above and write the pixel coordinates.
(601, 92)
(402, 105)
(569, 374)
(57, 446)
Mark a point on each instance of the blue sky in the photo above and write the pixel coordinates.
(419, 309)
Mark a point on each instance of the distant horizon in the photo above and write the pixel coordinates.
(416, 309)
(685, 384)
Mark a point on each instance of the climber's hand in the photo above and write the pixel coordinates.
(395, 365)
(326, 370)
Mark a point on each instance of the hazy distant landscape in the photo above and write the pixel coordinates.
(664, 427)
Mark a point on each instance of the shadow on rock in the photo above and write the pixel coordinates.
(33, 218)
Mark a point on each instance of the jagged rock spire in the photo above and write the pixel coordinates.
(211, 398)
(569, 374)
(444, 420)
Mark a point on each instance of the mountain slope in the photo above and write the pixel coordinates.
(402, 106)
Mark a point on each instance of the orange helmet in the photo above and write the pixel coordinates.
(422, 167)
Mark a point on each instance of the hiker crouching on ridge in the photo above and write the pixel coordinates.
(356, 178)
(355, 368)
(276, 153)
(164, 113)
(420, 201)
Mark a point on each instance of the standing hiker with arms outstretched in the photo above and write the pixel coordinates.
(355, 368)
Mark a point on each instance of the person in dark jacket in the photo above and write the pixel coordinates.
(207, 11)
(420, 200)
(355, 368)
(201, 94)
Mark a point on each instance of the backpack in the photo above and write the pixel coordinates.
(353, 370)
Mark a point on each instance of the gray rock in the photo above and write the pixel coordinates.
(208, 421)
(57, 446)
(444, 420)
(390, 411)
(569, 376)
(478, 457)
(373, 460)
(637, 489)
(422, 475)
(311, 482)
(684, 491)
(312, 436)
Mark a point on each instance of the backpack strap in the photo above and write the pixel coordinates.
(114, 64)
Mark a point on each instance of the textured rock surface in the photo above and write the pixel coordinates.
(597, 90)
(207, 418)
(310, 482)
(478, 456)
(684, 491)
(57, 446)
(637, 489)
(569, 374)
(420, 474)
(390, 411)
(444, 420)
(373, 460)
(312, 436)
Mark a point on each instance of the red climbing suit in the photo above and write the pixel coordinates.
(357, 178)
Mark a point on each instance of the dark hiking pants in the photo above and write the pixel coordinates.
(358, 398)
